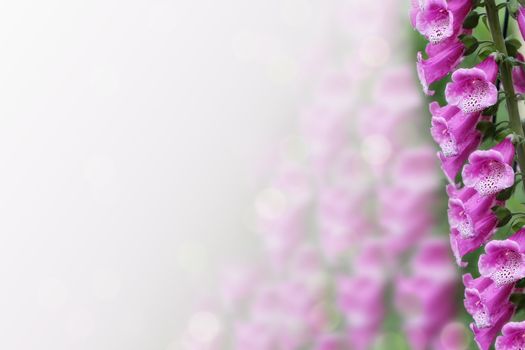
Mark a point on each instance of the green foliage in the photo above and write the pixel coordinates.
(471, 21)
(512, 46)
(503, 214)
(470, 42)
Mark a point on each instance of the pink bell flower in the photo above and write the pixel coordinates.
(439, 20)
(446, 58)
(513, 336)
(471, 220)
(504, 260)
(484, 299)
(518, 75)
(484, 337)
(473, 89)
(520, 16)
(490, 171)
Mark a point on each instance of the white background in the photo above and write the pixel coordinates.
(129, 131)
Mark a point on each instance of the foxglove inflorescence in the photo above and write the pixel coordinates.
(479, 150)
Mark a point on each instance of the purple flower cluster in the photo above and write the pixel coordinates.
(477, 176)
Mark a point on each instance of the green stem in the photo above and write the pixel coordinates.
(506, 80)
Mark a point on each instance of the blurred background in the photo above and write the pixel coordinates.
(147, 144)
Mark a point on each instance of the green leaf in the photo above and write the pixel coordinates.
(468, 40)
(501, 135)
(520, 283)
(492, 110)
(472, 20)
(512, 46)
(518, 224)
(503, 214)
(485, 53)
(506, 193)
(487, 128)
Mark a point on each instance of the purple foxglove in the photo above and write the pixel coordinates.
(473, 89)
(484, 337)
(461, 246)
(456, 135)
(467, 210)
(513, 336)
(435, 21)
(451, 128)
(442, 59)
(504, 261)
(451, 166)
(518, 76)
(439, 20)
(521, 20)
(490, 171)
(484, 299)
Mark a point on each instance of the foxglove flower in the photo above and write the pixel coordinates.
(473, 89)
(518, 75)
(484, 300)
(520, 16)
(452, 129)
(490, 171)
(442, 59)
(471, 220)
(513, 336)
(484, 337)
(435, 21)
(456, 135)
(504, 261)
(439, 20)
(451, 166)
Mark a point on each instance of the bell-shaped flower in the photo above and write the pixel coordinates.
(439, 20)
(484, 299)
(451, 166)
(490, 171)
(504, 260)
(435, 21)
(471, 220)
(520, 16)
(467, 210)
(456, 135)
(442, 59)
(484, 337)
(518, 75)
(473, 89)
(451, 128)
(513, 336)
